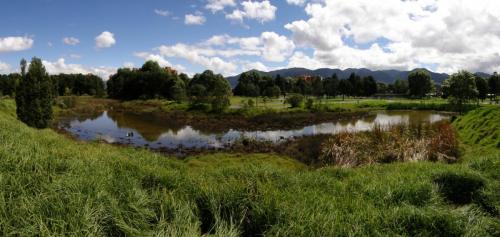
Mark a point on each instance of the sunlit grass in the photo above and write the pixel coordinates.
(53, 186)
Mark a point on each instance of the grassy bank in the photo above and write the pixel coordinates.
(55, 186)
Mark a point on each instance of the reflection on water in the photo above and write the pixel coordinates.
(147, 131)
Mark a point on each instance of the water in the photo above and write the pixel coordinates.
(146, 131)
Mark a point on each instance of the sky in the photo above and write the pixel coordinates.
(232, 36)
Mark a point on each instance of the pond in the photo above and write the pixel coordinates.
(148, 131)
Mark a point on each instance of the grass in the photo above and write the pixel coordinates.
(52, 186)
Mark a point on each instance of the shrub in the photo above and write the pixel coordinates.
(295, 101)
(309, 103)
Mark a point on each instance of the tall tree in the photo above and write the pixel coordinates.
(420, 83)
(369, 86)
(494, 85)
(460, 88)
(482, 88)
(344, 88)
(210, 88)
(331, 85)
(34, 95)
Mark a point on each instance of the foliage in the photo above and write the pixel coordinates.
(295, 100)
(149, 82)
(420, 83)
(460, 88)
(34, 95)
(482, 88)
(79, 84)
(494, 85)
(209, 88)
(8, 84)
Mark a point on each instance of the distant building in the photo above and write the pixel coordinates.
(171, 70)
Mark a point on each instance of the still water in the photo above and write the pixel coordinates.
(146, 131)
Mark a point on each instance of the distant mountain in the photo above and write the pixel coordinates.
(385, 76)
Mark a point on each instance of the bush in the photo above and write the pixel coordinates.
(309, 103)
(295, 101)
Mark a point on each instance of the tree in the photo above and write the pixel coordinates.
(400, 86)
(482, 88)
(369, 86)
(295, 100)
(331, 85)
(34, 95)
(460, 88)
(344, 88)
(494, 85)
(272, 91)
(208, 88)
(419, 83)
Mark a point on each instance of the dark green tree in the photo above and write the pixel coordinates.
(482, 88)
(344, 88)
(494, 85)
(331, 86)
(420, 83)
(369, 86)
(210, 88)
(400, 87)
(34, 96)
(460, 88)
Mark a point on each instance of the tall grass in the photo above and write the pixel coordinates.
(51, 186)
(393, 143)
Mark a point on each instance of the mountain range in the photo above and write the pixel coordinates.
(385, 76)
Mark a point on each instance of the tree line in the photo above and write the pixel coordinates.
(34, 89)
(419, 84)
(61, 85)
(207, 90)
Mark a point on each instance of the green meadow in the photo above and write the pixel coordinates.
(55, 186)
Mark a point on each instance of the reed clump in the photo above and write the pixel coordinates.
(392, 143)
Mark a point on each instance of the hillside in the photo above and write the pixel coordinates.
(54, 186)
(385, 76)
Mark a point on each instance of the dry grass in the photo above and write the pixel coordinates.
(394, 143)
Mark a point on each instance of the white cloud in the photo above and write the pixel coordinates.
(12, 44)
(219, 5)
(129, 65)
(75, 56)
(71, 41)
(197, 57)
(105, 40)
(60, 66)
(159, 59)
(223, 53)
(162, 12)
(5, 68)
(261, 11)
(296, 2)
(451, 34)
(197, 19)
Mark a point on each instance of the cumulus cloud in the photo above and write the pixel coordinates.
(261, 11)
(4, 68)
(60, 66)
(219, 5)
(162, 12)
(399, 34)
(195, 19)
(224, 53)
(296, 2)
(159, 59)
(12, 44)
(71, 41)
(105, 40)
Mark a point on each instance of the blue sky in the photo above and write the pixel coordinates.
(245, 34)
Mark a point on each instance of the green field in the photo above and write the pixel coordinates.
(54, 186)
